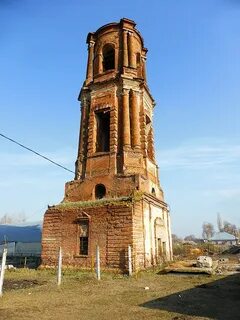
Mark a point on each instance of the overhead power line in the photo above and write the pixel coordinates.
(37, 153)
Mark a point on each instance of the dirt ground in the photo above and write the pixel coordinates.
(33, 294)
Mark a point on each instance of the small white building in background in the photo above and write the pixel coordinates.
(224, 238)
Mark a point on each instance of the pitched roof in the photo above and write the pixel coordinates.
(12, 233)
(222, 236)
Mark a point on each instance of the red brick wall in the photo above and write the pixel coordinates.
(110, 228)
(51, 236)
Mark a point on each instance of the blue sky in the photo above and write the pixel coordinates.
(193, 72)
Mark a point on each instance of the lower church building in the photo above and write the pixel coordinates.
(115, 199)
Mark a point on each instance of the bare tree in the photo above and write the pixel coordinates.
(219, 222)
(191, 237)
(176, 239)
(230, 228)
(208, 230)
(21, 217)
(10, 219)
(6, 219)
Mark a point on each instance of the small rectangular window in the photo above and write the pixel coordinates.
(164, 247)
(83, 240)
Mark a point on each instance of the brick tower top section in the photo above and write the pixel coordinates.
(115, 49)
(116, 146)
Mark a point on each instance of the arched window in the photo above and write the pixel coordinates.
(108, 57)
(100, 191)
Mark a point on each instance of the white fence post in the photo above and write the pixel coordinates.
(59, 271)
(25, 262)
(4, 257)
(129, 260)
(98, 263)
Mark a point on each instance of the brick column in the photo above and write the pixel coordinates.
(91, 145)
(125, 49)
(100, 63)
(142, 120)
(135, 120)
(78, 170)
(126, 118)
(131, 51)
(83, 115)
(89, 75)
(144, 74)
(150, 144)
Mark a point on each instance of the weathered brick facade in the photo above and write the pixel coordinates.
(115, 199)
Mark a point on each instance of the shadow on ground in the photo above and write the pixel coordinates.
(218, 300)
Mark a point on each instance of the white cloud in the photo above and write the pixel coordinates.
(200, 155)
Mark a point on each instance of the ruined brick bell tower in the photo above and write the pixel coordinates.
(115, 199)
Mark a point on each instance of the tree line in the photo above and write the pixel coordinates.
(10, 219)
(208, 230)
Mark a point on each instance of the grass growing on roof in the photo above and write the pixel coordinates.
(122, 201)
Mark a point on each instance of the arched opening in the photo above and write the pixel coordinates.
(100, 191)
(108, 57)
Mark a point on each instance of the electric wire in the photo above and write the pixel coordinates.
(35, 152)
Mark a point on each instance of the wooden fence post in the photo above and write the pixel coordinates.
(4, 257)
(129, 260)
(59, 271)
(25, 262)
(98, 263)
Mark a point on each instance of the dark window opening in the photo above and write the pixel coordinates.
(147, 120)
(84, 230)
(159, 246)
(164, 248)
(84, 246)
(153, 192)
(103, 131)
(100, 191)
(108, 58)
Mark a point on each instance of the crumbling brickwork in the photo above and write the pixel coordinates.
(115, 162)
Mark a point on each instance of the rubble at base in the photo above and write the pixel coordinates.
(204, 264)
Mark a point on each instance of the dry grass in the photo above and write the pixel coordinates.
(81, 296)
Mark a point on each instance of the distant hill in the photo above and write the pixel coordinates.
(18, 233)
